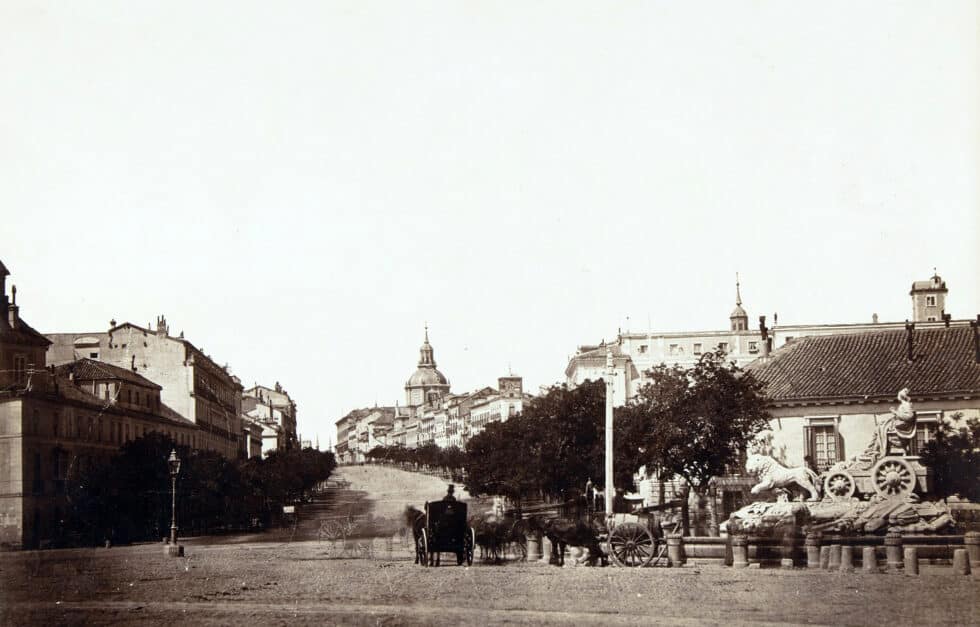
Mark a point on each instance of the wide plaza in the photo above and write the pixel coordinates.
(303, 582)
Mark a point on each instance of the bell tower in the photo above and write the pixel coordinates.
(739, 319)
(929, 299)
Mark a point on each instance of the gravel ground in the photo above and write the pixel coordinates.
(302, 582)
(267, 579)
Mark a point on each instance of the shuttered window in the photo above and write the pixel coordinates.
(822, 442)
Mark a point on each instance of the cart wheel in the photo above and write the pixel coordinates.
(892, 476)
(631, 545)
(422, 547)
(839, 485)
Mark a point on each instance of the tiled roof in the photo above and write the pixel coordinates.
(872, 365)
(93, 370)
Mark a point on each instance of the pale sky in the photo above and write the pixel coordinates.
(299, 186)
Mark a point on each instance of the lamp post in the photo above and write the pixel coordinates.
(173, 549)
(609, 375)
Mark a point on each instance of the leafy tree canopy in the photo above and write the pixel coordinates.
(954, 456)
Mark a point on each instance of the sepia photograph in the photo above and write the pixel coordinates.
(432, 312)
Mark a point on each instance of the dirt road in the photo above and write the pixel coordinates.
(301, 582)
(275, 578)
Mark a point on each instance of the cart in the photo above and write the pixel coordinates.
(636, 539)
(891, 475)
(446, 531)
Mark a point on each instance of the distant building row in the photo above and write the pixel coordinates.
(70, 400)
(431, 414)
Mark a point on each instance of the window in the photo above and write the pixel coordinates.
(697, 348)
(753, 347)
(93, 355)
(723, 346)
(823, 443)
(20, 369)
(643, 348)
(931, 319)
(930, 301)
(673, 349)
(789, 338)
(926, 424)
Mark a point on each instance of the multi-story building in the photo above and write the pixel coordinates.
(278, 399)
(55, 423)
(635, 353)
(22, 349)
(192, 383)
(497, 405)
(829, 394)
(251, 437)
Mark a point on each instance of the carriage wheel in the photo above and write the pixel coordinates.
(839, 485)
(892, 476)
(631, 545)
(422, 548)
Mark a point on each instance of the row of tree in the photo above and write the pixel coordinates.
(687, 422)
(129, 497)
(451, 460)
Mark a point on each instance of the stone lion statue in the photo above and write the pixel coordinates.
(773, 475)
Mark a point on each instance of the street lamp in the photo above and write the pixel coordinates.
(174, 463)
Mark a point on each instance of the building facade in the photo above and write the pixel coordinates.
(636, 353)
(192, 383)
(280, 404)
(829, 394)
(56, 423)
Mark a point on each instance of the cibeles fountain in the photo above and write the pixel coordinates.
(874, 492)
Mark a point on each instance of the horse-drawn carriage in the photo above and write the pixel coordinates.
(443, 528)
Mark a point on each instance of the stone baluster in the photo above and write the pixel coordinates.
(893, 550)
(740, 551)
(961, 562)
(869, 560)
(813, 551)
(972, 543)
(675, 549)
(911, 560)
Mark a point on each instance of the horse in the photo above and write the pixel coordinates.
(563, 534)
(494, 535)
(415, 520)
(774, 475)
(514, 531)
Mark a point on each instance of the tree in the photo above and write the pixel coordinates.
(551, 449)
(954, 456)
(695, 422)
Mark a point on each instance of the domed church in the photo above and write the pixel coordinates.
(426, 385)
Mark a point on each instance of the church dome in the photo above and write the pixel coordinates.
(427, 376)
(738, 312)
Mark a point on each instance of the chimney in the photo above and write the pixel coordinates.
(12, 308)
(766, 346)
(946, 319)
(909, 331)
(874, 318)
(162, 328)
(976, 338)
